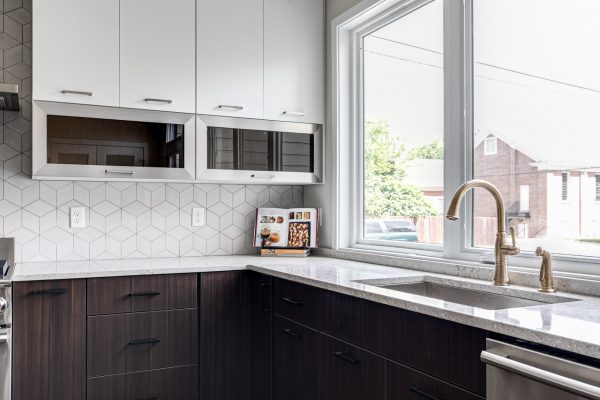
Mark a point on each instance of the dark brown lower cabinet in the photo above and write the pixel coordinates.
(49, 340)
(349, 373)
(225, 299)
(180, 383)
(261, 336)
(295, 361)
(403, 383)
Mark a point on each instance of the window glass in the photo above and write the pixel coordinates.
(403, 129)
(537, 92)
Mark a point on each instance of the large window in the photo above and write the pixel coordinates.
(536, 89)
(445, 91)
(403, 129)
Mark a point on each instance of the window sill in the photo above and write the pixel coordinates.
(570, 282)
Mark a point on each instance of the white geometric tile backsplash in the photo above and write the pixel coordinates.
(124, 220)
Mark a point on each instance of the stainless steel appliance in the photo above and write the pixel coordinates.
(7, 246)
(515, 372)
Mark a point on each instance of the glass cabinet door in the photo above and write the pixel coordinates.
(94, 141)
(258, 150)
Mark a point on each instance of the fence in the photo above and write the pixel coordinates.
(431, 230)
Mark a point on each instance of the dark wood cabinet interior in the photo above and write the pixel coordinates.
(232, 335)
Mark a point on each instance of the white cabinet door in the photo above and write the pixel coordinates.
(76, 51)
(294, 60)
(158, 55)
(230, 58)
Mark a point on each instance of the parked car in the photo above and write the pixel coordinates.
(391, 229)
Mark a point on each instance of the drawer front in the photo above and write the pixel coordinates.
(354, 320)
(348, 373)
(141, 293)
(123, 343)
(408, 384)
(295, 360)
(444, 349)
(296, 301)
(166, 384)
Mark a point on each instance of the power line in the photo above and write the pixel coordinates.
(476, 62)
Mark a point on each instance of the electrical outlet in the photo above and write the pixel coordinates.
(77, 217)
(198, 216)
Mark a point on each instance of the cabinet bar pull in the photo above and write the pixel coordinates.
(141, 294)
(118, 171)
(344, 357)
(294, 113)
(137, 342)
(49, 292)
(226, 107)
(421, 393)
(151, 100)
(64, 91)
(290, 332)
(292, 301)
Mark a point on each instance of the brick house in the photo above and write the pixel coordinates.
(542, 198)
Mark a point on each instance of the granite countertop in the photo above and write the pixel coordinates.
(572, 326)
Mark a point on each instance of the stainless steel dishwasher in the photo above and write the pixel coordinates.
(515, 372)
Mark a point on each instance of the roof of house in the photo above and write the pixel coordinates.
(551, 152)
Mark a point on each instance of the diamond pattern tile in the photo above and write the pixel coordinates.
(124, 219)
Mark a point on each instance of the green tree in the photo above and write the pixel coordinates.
(386, 158)
(431, 151)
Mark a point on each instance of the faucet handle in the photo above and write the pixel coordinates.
(511, 249)
(513, 236)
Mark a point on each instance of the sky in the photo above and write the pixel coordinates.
(536, 81)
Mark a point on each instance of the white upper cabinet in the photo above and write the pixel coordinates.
(158, 54)
(230, 58)
(294, 60)
(76, 51)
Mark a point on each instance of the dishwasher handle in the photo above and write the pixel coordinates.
(546, 377)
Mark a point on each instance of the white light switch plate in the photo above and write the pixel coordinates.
(198, 216)
(77, 217)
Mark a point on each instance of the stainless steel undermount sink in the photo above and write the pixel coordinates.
(485, 299)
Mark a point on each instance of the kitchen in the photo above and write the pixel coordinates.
(457, 239)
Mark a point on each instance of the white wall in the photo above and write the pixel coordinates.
(322, 195)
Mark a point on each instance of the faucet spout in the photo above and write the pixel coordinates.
(454, 208)
(501, 248)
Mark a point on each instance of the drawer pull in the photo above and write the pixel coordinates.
(292, 301)
(228, 107)
(79, 92)
(344, 357)
(162, 101)
(49, 292)
(421, 393)
(290, 332)
(137, 342)
(144, 294)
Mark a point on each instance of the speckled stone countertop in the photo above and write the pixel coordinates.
(572, 325)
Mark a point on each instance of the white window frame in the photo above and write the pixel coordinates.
(524, 191)
(347, 124)
(486, 150)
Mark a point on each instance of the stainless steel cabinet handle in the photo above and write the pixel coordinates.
(151, 100)
(3, 305)
(118, 172)
(4, 338)
(262, 176)
(294, 113)
(65, 91)
(546, 377)
(226, 107)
